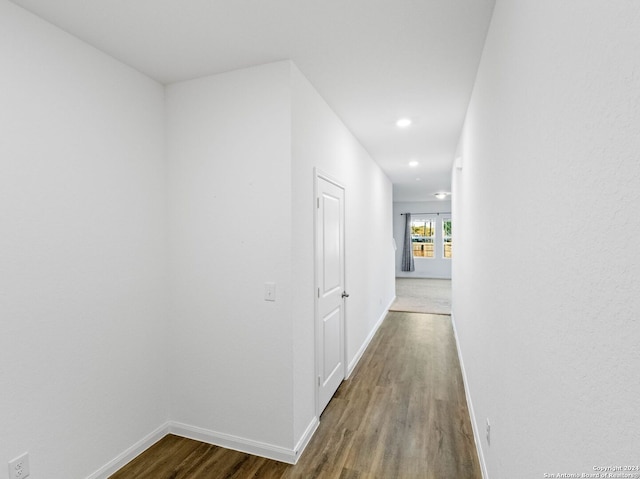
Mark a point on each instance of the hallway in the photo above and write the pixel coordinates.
(403, 413)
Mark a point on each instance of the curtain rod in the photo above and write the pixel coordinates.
(440, 213)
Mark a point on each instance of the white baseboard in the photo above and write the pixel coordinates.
(306, 437)
(210, 437)
(127, 456)
(228, 441)
(476, 432)
(365, 345)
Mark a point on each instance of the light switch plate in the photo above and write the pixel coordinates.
(269, 291)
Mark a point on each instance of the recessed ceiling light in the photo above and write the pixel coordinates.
(403, 122)
(413, 164)
(441, 195)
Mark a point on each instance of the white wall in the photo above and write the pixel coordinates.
(242, 148)
(82, 248)
(321, 140)
(229, 154)
(105, 341)
(437, 267)
(548, 322)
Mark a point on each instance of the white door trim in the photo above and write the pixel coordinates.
(319, 174)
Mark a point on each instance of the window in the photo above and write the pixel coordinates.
(423, 237)
(446, 238)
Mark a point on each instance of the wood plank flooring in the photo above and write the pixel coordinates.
(403, 414)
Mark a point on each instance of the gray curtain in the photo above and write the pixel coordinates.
(407, 251)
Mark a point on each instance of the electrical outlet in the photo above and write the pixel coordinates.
(488, 432)
(19, 467)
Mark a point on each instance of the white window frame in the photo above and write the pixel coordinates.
(446, 218)
(426, 217)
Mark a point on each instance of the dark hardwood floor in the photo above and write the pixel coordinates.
(403, 414)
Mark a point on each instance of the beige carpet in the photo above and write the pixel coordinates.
(417, 295)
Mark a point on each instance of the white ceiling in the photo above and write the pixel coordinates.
(373, 61)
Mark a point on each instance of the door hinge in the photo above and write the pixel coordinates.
(318, 292)
(319, 380)
(317, 202)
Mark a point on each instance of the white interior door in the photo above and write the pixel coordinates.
(331, 293)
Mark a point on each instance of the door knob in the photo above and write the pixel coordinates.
(344, 294)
